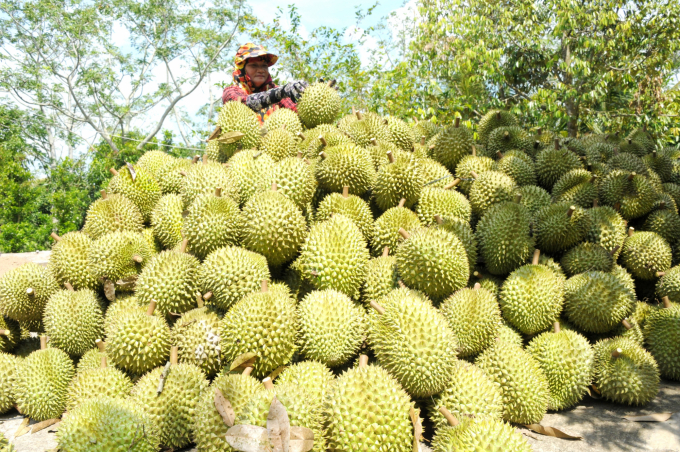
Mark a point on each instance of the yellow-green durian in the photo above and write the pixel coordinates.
(467, 165)
(196, 334)
(96, 383)
(662, 335)
(284, 118)
(154, 161)
(345, 165)
(204, 178)
(237, 117)
(74, 320)
(118, 255)
(295, 180)
(560, 226)
(387, 225)
(69, 261)
(381, 277)
(587, 256)
(279, 144)
(448, 204)
(319, 104)
(170, 175)
(452, 144)
(139, 186)
(313, 376)
(645, 253)
(8, 376)
(351, 206)
(607, 229)
(213, 221)
(252, 172)
(166, 220)
(398, 179)
(112, 213)
(489, 188)
(24, 291)
(485, 434)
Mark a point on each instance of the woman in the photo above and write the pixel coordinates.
(254, 86)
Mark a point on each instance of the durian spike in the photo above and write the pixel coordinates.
(556, 327)
(401, 284)
(247, 371)
(55, 236)
(537, 255)
(323, 155)
(390, 157)
(174, 352)
(113, 171)
(373, 141)
(477, 286)
(69, 287)
(557, 143)
(151, 308)
(267, 382)
(632, 175)
(571, 210)
(374, 304)
(660, 274)
(345, 191)
(103, 362)
(450, 418)
(207, 296)
(453, 183)
(183, 246)
(474, 150)
(616, 353)
(4, 332)
(43, 342)
(323, 141)
(137, 258)
(218, 191)
(626, 324)
(438, 219)
(265, 286)
(301, 135)
(215, 133)
(103, 193)
(30, 292)
(402, 202)
(422, 140)
(386, 251)
(499, 154)
(631, 231)
(363, 361)
(403, 233)
(456, 123)
(473, 174)
(101, 345)
(274, 186)
(666, 302)
(195, 159)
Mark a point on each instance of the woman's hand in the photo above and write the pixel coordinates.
(294, 90)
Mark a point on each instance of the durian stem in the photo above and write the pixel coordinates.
(453, 183)
(537, 255)
(498, 115)
(43, 342)
(477, 286)
(257, 155)
(571, 210)
(432, 146)
(323, 155)
(450, 418)
(506, 135)
(385, 121)
(401, 284)
(268, 384)
(373, 141)
(540, 131)
(617, 206)
(174, 352)
(195, 159)
(557, 144)
(69, 287)
(354, 111)
(4, 332)
(101, 345)
(207, 296)
(474, 150)
(374, 304)
(301, 135)
(660, 274)
(654, 153)
(137, 258)
(662, 205)
(518, 198)
(626, 324)
(592, 179)
(218, 191)
(55, 236)
(422, 140)
(386, 251)
(345, 191)
(205, 158)
(556, 327)
(215, 133)
(299, 154)
(456, 123)
(537, 144)
(30, 292)
(265, 286)
(477, 274)
(403, 233)
(631, 175)
(103, 193)
(595, 202)
(666, 302)
(283, 127)
(183, 246)
(613, 251)
(499, 154)
(390, 157)
(473, 174)
(631, 231)
(438, 219)
(402, 202)
(630, 141)
(324, 143)
(274, 186)
(363, 361)
(113, 171)
(183, 173)
(199, 300)
(161, 380)
(103, 362)
(247, 371)
(616, 353)
(151, 308)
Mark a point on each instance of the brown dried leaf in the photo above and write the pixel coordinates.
(224, 407)
(133, 173)
(243, 361)
(654, 417)
(550, 431)
(215, 133)
(277, 372)
(231, 137)
(417, 428)
(23, 427)
(248, 438)
(110, 290)
(301, 439)
(43, 425)
(127, 284)
(278, 426)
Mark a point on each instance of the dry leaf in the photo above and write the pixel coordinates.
(277, 372)
(248, 438)
(133, 173)
(224, 407)
(127, 284)
(278, 426)
(43, 425)
(301, 439)
(230, 137)
(215, 133)
(110, 290)
(655, 417)
(550, 431)
(417, 429)
(23, 427)
(243, 361)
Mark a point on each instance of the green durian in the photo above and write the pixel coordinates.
(170, 175)
(382, 151)
(434, 174)
(662, 335)
(508, 334)
(237, 117)
(489, 188)
(552, 164)
(467, 165)
(631, 194)
(153, 161)
(507, 138)
(8, 375)
(91, 359)
(213, 221)
(284, 118)
(351, 206)
(348, 165)
(645, 253)
(627, 162)
(252, 171)
(386, 228)
(69, 262)
(319, 104)
(463, 231)
(314, 377)
(279, 144)
(398, 179)
(560, 226)
(669, 285)
(112, 213)
(661, 164)
(452, 144)
(401, 134)
(448, 204)
(196, 335)
(24, 291)
(534, 198)
(587, 257)
(119, 255)
(74, 320)
(295, 180)
(313, 143)
(607, 229)
(576, 187)
(486, 434)
(518, 166)
(204, 178)
(11, 334)
(98, 382)
(166, 220)
(364, 128)
(664, 222)
(492, 120)
(138, 185)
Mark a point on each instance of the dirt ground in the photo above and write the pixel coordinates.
(10, 261)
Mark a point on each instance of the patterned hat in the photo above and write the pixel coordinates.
(251, 50)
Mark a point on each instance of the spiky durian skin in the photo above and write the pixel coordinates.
(491, 187)
(335, 255)
(236, 116)
(166, 220)
(479, 435)
(381, 278)
(209, 428)
(274, 227)
(368, 400)
(331, 327)
(566, 359)
(447, 204)
(363, 131)
(91, 359)
(394, 181)
(204, 178)
(379, 153)
(636, 197)
(627, 162)
(645, 253)
(492, 120)
(319, 104)
(213, 222)
(468, 164)
(138, 342)
(15, 302)
(110, 214)
(662, 335)
(433, 261)
(586, 257)
(252, 172)
(279, 144)
(311, 146)
(42, 384)
(474, 317)
(353, 207)
(69, 261)
(556, 231)
(534, 198)
(518, 166)
(153, 161)
(11, 336)
(412, 330)
(523, 384)
(669, 285)
(463, 231)
(607, 229)
(8, 377)
(552, 164)
(631, 378)
(107, 425)
(118, 308)
(74, 320)
(314, 377)
(451, 145)
(95, 383)
(284, 118)
(170, 279)
(143, 191)
(196, 334)
(172, 411)
(575, 187)
(295, 180)
(263, 323)
(503, 237)
(664, 222)
(596, 301)
(231, 273)
(507, 138)
(431, 171)
(386, 228)
(531, 298)
(348, 165)
(111, 255)
(401, 134)
(170, 176)
(303, 410)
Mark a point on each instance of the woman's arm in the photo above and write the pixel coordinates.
(264, 100)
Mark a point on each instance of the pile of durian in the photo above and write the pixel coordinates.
(368, 273)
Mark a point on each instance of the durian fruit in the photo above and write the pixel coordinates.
(279, 144)
(560, 226)
(424, 129)
(319, 104)
(118, 255)
(153, 161)
(401, 134)
(8, 376)
(447, 203)
(452, 144)
(69, 262)
(665, 222)
(625, 372)
(121, 306)
(363, 128)
(24, 291)
(74, 320)
(172, 410)
(335, 255)
(485, 434)
(504, 139)
(99, 382)
(10, 334)
(645, 253)
(400, 178)
(209, 427)
(627, 162)
(661, 164)
(534, 198)
(566, 359)
(331, 327)
(387, 225)
(607, 229)
(138, 341)
(166, 220)
(252, 172)
(587, 257)
(643, 138)
(469, 164)
(284, 118)
(138, 185)
(204, 178)
(522, 383)
(106, 424)
(196, 334)
(169, 279)
(381, 153)
(669, 285)
(381, 277)
(295, 180)
(489, 188)
(274, 227)
(552, 164)
(351, 206)
(406, 329)
(42, 383)
(673, 190)
(475, 318)
(237, 117)
(92, 358)
(433, 261)
(662, 334)
(486, 281)
(170, 175)
(112, 213)
(492, 120)
(463, 231)
(518, 165)
(504, 239)
(368, 400)
(314, 377)
(323, 136)
(596, 301)
(154, 246)
(630, 194)
(262, 323)
(343, 165)
(576, 187)
(532, 297)
(229, 274)
(510, 335)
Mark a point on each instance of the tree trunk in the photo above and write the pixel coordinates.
(573, 113)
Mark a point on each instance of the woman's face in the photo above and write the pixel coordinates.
(257, 70)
